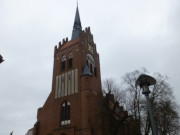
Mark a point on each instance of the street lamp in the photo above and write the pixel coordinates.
(1, 59)
(144, 81)
(11, 133)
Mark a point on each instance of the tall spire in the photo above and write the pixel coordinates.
(77, 29)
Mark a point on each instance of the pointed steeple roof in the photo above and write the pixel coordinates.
(86, 71)
(77, 29)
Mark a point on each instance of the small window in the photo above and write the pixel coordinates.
(95, 73)
(91, 68)
(70, 60)
(70, 63)
(63, 65)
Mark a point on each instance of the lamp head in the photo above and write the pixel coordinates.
(144, 81)
(1, 59)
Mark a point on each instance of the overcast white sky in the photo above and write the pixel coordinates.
(130, 34)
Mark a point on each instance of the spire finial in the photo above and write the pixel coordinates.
(77, 2)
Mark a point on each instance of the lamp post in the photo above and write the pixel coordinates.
(1, 59)
(11, 133)
(144, 81)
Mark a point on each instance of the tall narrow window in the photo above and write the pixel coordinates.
(70, 61)
(63, 64)
(91, 68)
(91, 64)
(65, 113)
(95, 73)
(87, 63)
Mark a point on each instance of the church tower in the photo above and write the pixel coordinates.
(71, 107)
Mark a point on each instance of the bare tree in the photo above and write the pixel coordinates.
(163, 104)
(134, 104)
(112, 87)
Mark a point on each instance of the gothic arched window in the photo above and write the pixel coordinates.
(91, 64)
(63, 64)
(65, 113)
(70, 60)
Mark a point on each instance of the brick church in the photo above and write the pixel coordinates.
(72, 106)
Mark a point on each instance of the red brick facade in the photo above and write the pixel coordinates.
(83, 103)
